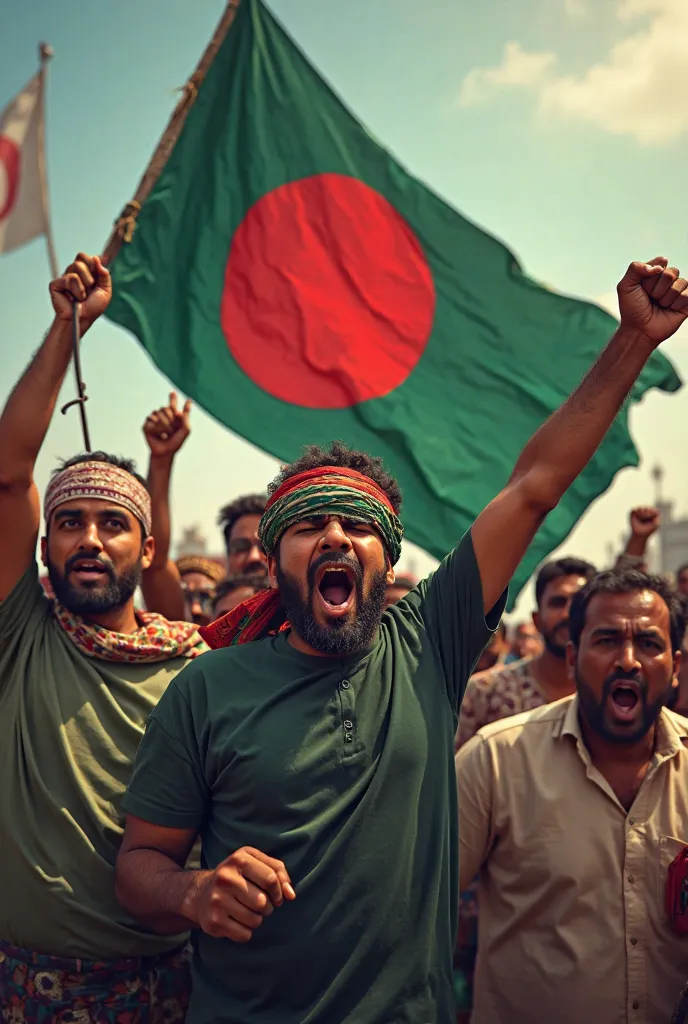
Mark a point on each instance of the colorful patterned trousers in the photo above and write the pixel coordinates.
(39, 989)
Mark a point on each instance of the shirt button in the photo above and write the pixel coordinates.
(634, 942)
(636, 1004)
(631, 879)
(345, 684)
(349, 738)
(631, 821)
(348, 724)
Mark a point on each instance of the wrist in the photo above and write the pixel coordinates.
(638, 337)
(192, 894)
(162, 460)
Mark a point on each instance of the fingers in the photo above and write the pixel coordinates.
(265, 872)
(279, 869)
(187, 408)
(657, 287)
(173, 401)
(638, 273)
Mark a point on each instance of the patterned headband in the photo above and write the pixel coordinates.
(99, 480)
(331, 490)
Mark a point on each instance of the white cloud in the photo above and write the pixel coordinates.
(575, 8)
(636, 90)
(518, 68)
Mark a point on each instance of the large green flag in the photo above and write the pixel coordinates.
(291, 277)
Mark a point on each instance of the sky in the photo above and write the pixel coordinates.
(556, 125)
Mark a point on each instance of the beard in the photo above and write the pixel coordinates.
(557, 649)
(593, 710)
(117, 591)
(341, 636)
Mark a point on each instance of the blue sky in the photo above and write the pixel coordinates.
(555, 124)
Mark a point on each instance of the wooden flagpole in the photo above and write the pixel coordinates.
(126, 225)
(45, 54)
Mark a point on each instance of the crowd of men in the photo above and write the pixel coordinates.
(274, 789)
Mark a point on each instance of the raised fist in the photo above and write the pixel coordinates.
(653, 299)
(87, 282)
(167, 429)
(644, 521)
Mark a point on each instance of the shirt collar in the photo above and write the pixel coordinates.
(672, 733)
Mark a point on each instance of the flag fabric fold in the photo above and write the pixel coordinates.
(23, 214)
(289, 275)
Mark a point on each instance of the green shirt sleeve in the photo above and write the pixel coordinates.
(450, 603)
(168, 785)
(20, 615)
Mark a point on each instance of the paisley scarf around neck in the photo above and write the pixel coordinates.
(157, 639)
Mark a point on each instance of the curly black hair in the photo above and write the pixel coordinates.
(626, 582)
(128, 465)
(338, 454)
(246, 505)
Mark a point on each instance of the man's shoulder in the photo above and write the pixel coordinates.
(526, 726)
(504, 677)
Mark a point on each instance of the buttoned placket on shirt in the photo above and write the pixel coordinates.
(635, 857)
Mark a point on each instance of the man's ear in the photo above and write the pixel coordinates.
(44, 551)
(678, 658)
(391, 577)
(571, 655)
(147, 553)
(272, 571)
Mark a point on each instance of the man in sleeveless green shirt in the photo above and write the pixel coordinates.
(78, 678)
(313, 749)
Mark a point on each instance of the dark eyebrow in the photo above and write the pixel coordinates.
(69, 513)
(651, 633)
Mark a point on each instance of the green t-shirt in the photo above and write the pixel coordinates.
(69, 729)
(343, 769)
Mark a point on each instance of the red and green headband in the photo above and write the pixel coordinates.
(328, 490)
(331, 491)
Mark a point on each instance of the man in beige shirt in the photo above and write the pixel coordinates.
(572, 814)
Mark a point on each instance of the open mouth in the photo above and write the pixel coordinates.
(335, 586)
(88, 570)
(625, 697)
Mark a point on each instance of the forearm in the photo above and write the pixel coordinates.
(159, 476)
(636, 546)
(157, 892)
(563, 446)
(26, 417)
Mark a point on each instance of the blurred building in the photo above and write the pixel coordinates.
(673, 533)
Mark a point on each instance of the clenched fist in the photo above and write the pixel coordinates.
(239, 894)
(167, 429)
(653, 299)
(644, 521)
(86, 282)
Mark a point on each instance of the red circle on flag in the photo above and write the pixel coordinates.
(328, 299)
(10, 158)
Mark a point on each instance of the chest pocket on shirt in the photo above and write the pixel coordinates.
(669, 849)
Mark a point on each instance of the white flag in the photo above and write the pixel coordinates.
(23, 213)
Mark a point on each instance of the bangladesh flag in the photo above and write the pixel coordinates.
(293, 279)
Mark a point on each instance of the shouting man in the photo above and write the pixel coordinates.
(573, 814)
(313, 751)
(78, 678)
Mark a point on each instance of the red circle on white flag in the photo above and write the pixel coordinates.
(10, 158)
(328, 298)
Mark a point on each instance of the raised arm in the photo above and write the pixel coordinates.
(165, 431)
(29, 410)
(653, 304)
(644, 522)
